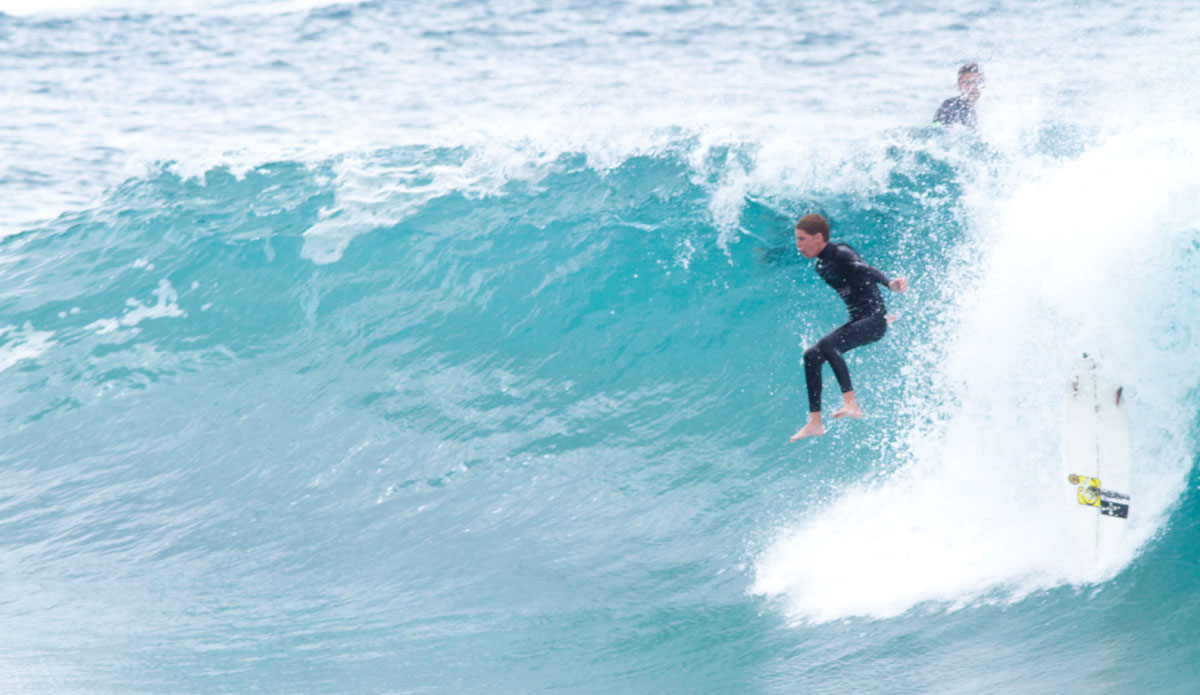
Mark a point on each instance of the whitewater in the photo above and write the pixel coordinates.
(372, 347)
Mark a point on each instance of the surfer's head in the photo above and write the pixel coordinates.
(812, 234)
(970, 80)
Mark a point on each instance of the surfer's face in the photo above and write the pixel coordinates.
(809, 245)
(969, 85)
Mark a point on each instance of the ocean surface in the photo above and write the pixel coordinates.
(454, 347)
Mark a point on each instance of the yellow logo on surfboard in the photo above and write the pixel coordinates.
(1089, 489)
(1089, 494)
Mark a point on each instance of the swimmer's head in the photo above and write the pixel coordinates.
(812, 233)
(970, 81)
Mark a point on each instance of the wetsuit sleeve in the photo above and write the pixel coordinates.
(857, 266)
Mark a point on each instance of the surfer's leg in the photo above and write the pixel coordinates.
(847, 337)
(813, 361)
(829, 349)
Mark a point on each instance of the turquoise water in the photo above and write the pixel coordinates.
(363, 348)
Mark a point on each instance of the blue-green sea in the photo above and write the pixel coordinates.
(454, 347)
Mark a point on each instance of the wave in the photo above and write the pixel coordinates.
(550, 302)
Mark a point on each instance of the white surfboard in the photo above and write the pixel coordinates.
(1096, 459)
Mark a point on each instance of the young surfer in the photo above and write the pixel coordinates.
(855, 282)
(960, 110)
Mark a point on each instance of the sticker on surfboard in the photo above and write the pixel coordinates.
(1090, 494)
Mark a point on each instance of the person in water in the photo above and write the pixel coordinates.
(960, 110)
(855, 282)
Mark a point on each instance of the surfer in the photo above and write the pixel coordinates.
(960, 110)
(855, 282)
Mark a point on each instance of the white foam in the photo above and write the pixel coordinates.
(772, 86)
(32, 7)
(25, 343)
(235, 8)
(165, 306)
(371, 194)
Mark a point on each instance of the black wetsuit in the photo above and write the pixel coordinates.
(956, 111)
(855, 282)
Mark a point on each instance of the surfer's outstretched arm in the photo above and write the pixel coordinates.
(896, 285)
(855, 264)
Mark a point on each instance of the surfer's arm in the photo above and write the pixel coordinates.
(858, 266)
(948, 113)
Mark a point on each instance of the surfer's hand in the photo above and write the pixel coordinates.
(898, 285)
(891, 318)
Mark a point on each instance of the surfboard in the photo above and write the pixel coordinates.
(1096, 460)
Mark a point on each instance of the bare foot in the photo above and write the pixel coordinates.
(812, 428)
(849, 407)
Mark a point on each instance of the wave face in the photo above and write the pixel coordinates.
(380, 349)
